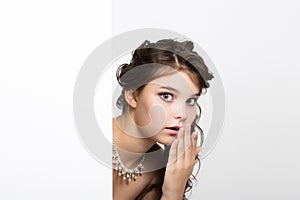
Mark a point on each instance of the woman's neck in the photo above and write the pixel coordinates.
(128, 137)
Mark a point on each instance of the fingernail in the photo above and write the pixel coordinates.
(195, 135)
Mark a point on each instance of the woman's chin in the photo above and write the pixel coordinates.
(167, 141)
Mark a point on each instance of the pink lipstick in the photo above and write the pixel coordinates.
(173, 130)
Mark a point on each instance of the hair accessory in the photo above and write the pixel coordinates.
(128, 174)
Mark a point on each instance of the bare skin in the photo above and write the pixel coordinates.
(179, 168)
(122, 190)
(181, 163)
(177, 101)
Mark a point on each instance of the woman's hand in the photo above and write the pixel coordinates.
(180, 164)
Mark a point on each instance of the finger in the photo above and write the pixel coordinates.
(198, 149)
(194, 139)
(173, 152)
(180, 148)
(187, 137)
(187, 144)
(194, 143)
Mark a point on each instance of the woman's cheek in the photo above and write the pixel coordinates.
(154, 120)
(191, 114)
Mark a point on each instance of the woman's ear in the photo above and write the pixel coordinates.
(131, 97)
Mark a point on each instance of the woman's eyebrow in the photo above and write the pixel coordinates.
(169, 88)
(173, 89)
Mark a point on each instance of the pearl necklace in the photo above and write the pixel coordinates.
(118, 165)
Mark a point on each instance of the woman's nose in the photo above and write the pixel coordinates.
(179, 111)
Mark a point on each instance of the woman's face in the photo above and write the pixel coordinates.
(165, 105)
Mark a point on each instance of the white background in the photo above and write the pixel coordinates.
(254, 45)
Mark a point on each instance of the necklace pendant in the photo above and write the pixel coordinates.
(128, 174)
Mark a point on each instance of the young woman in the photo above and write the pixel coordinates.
(161, 86)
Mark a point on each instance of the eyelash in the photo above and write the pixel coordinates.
(194, 103)
(167, 93)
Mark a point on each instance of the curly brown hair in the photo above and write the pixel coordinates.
(149, 62)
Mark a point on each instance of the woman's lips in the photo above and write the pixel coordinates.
(173, 130)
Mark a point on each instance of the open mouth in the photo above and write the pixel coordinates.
(174, 128)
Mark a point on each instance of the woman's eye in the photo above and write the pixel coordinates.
(166, 96)
(192, 101)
